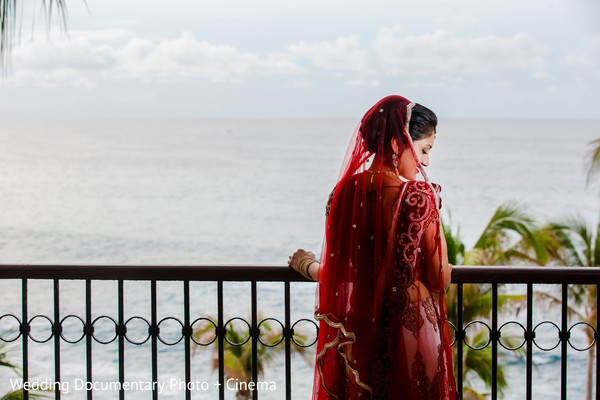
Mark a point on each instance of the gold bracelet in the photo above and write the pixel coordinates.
(300, 261)
(303, 265)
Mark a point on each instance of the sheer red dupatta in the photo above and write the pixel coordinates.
(365, 263)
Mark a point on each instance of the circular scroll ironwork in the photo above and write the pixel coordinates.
(558, 336)
(508, 347)
(210, 321)
(590, 345)
(164, 341)
(128, 331)
(16, 329)
(316, 333)
(64, 336)
(225, 331)
(489, 335)
(30, 334)
(281, 335)
(95, 330)
(454, 329)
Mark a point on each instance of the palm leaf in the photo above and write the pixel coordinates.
(18, 395)
(455, 246)
(576, 239)
(512, 235)
(4, 353)
(594, 161)
(509, 216)
(238, 359)
(596, 258)
(471, 394)
(8, 22)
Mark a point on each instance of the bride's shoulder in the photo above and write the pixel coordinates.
(419, 192)
(422, 186)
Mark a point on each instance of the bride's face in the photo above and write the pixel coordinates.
(423, 147)
(407, 167)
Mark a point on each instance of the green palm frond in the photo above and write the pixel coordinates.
(510, 234)
(9, 10)
(4, 356)
(508, 217)
(455, 246)
(596, 252)
(471, 394)
(475, 257)
(238, 359)
(537, 248)
(576, 239)
(480, 361)
(594, 161)
(18, 395)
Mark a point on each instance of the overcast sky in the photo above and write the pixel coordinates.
(310, 58)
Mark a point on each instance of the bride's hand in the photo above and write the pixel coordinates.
(301, 262)
(300, 255)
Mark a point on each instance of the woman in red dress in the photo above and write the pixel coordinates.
(383, 330)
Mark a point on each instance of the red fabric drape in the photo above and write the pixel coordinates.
(383, 333)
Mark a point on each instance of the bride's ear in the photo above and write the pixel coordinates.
(395, 143)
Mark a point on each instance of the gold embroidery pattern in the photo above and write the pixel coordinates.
(413, 319)
(420, 384)
(329, 201)
(430, 312)
(350, 338)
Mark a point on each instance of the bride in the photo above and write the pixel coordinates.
(384, 269)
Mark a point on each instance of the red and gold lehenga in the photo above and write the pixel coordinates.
(383, 330)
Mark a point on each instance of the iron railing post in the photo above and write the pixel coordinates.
(495, 336)
(529, 336)
(25, 328)
(89, 327)
(221, 338)
(187, 337)
(564, 338)
(56, 330)
(459, 338)
(121, 335)
(254, 334)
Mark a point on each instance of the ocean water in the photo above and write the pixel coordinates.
(241, 192)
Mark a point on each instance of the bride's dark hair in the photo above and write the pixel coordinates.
(379, 127)
(422, 121)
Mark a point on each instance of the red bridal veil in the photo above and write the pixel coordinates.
(377, 340)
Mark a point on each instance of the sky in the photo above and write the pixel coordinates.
(309, 59)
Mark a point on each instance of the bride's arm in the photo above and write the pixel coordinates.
(305, 263)
(431, 258)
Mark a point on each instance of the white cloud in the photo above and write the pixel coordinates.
(580, 60)
(101, 35)
(360, 82)
(345, 54)
(442, 52)
(542, 74)
(303, 84)
(356, 82)
(455, 20)
(90, 56)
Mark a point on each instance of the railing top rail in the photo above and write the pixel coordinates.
(267, 273)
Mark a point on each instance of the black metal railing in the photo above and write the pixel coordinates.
(494, 276)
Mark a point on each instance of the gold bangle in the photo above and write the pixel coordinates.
(303, 266)
(306, 267)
